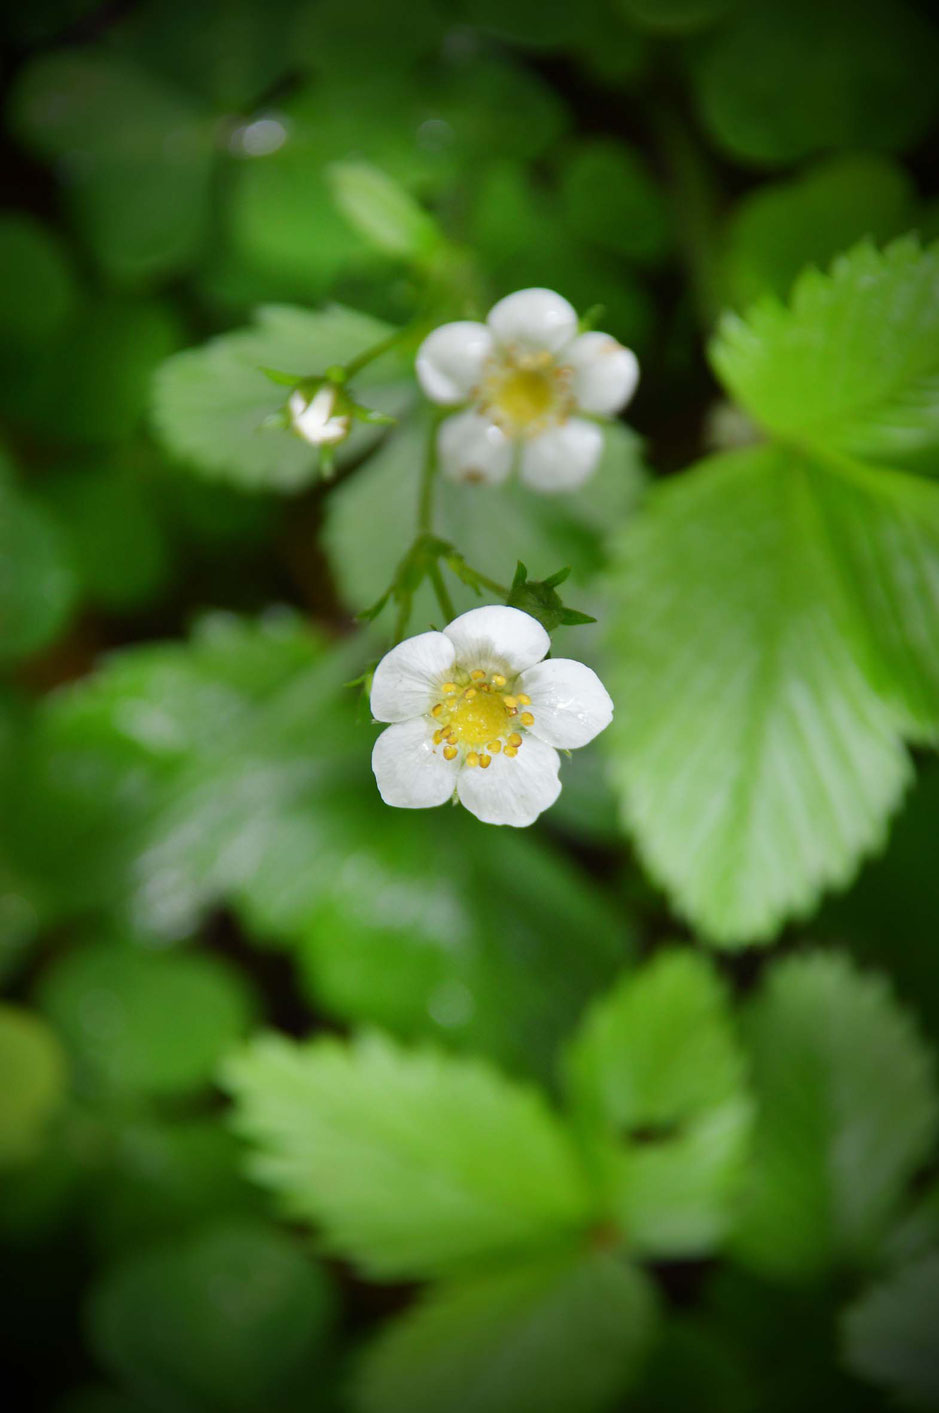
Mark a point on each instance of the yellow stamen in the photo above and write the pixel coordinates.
(498, 680)
(438, 737)
(523, 700)
(449, 752)
(485, 761)
(510, 702)
(478, 674)
(449, 688)
(526, 718)
(515, 740)
(511, 752)
(494, 746)
(470, 693)
(435, 711)
(472, 759)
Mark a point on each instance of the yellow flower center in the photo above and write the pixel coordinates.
(476, 716)
(525, 393)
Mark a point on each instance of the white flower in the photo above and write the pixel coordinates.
(314, 418)
(477, 713)
(523, 377)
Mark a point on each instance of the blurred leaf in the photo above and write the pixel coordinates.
(781, 227)
(333, 38)
(138, 185)
(675, 16)
(564, 1335)
(382, 211)
(416, 1164)
(760, 770)
(210, 403)
(37, 580)
(222, 1321)
(861, 70)
(852, 364)
(609, 199)
(144, 1023)
(890, 1334)
(38, 290)
(33, 1079)
(847, 1110)
(692, 1367)
(656, 1063)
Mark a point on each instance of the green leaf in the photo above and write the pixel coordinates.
(37, 580)
(674, 16)
(879, 95)
(228, 1319)
(847, 1111)
(782, 226)
(890, 1334)
(210, 403)
(563, 1335)
(139, 187)
(415, 1164)
(609, 199)
(33, 1080)
(656, 1063)
(144, 1022)
(852, 364)
(38, 290)
(382, 211)
(771, 643)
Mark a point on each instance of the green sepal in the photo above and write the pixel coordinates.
(539, 599)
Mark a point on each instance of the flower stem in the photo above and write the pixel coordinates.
(369, 355)
(443, 597)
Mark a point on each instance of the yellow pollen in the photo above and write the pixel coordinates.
(510, 702)
(449, 752)
(452, 737)
(474, 718)
(494, 746)
(498, 680)
(510, 751)
(523, 700)
(472, 759)
(526, 718)
(470, 693)
(437, 709)
(485, 761)
(438, 737)
(478, 675)
(449, 688)
(515, 740)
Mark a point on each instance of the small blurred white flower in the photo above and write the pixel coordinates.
(523, 378)
(314, 418)
(477, 713)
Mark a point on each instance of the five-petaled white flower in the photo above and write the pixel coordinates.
(478, 714)
(315, 418)
(524, 376)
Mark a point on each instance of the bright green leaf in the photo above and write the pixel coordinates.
(414, 1163)
(33, 1078)
(210, 403)
(564, 1335)
(382, 211)
(847, 1111)
(852, 364)
(225, 1320)
(144, 1022)
(890, 1334)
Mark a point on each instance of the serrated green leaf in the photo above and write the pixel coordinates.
(889, 1334)
(780, 227)
(878, 95)
(415, 1164)
(565, 1335)
(852, 364)
(656, 1064)
(33, 1079)
(228, 1319)
(144, 1022)
(382, 211)
(210, 403)
(757, 738)
(139, 187)
(847, 1110)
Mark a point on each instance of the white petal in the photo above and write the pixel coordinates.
(471, 448)
(409, 772)
(450, 360)
(605, 373)
(512, 791)
(562, 458)
(498, 636)
(568, 701)
(408, 678)
(313, 420)
(537, 318)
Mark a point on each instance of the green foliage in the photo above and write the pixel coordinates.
(144, 1023)
(890, 1335)
(32, 1082)
(382, 211)
(229, 1320)
(610, 200)
(211, 404)
(563, 1335)
(37, 580)
(859, 69)
(39, 285)
(847, 1111)
(414, 1164)
(656, 1063)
